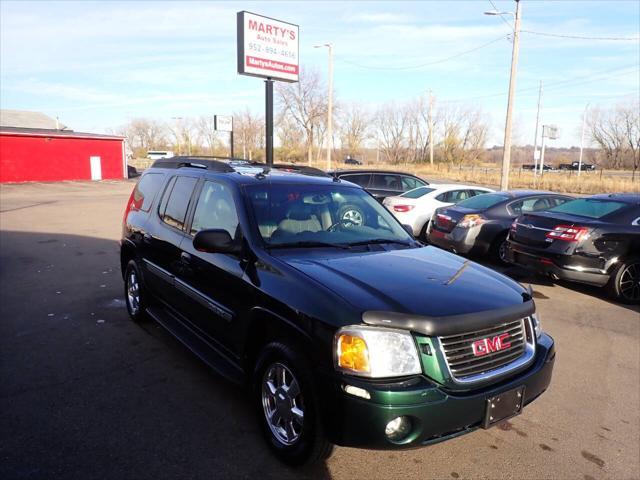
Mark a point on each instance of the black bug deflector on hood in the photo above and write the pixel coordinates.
(452, 324)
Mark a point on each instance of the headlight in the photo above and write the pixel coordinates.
(535, 320)
(375, 352)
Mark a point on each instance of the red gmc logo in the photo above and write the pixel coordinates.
(489, 345)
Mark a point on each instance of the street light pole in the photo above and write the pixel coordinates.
(330, 112)
(535, 139)
(584, 124)
(330, 104)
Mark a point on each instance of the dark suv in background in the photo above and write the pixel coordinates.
(594, 240)
(381, 184)
(348, 334)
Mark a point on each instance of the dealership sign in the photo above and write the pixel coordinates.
(223, 123)
(267, 47)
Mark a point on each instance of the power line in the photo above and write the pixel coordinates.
(560, 84)
(581, 37)
(442, 60)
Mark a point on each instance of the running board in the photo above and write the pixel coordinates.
(201, 347)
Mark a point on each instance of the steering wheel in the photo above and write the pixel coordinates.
(345, 221)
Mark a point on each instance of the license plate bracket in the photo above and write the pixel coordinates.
(503, 406)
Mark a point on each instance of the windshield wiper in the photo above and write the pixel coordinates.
(309, 244)
(373, 241)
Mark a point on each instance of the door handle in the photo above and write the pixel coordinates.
(185, 258)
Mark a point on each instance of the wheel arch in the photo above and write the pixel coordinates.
(265, 326)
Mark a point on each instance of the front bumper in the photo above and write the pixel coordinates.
(436, 414)
(555, 266)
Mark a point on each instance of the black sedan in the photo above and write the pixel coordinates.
(480, 225)
(381, 184)
(594, 240)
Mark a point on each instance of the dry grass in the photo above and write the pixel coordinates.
(565, 182)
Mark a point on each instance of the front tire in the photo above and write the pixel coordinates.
(286, 402)
(624, 284)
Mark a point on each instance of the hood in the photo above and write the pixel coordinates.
(418, 281)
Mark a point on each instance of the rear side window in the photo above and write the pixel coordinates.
(590, 207)
(387, 182)
(177, 201)
(358, 179)
(409, 183)
(146, 190)
(215, 209)
(417, 192)
(454, 196)
(482, 202)
(534, 204)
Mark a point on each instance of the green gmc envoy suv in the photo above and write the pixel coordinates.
(346, 330)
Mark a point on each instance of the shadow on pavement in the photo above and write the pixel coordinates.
(86, 393)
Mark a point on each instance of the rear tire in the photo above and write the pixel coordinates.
(134, 293)
(423, 232)
(287, 404)
(624, 284)
(499, 249)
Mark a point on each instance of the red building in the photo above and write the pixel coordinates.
(54, 154)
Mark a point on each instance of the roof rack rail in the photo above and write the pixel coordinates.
(291, 167)
(216, 164)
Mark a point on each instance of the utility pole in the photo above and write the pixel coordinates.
(542, 151)
(430, 127)
(179, 130)
(506, 156)
(330, 112)
(535, 140)
(584, 124)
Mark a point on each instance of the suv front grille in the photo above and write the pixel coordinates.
(467, 365)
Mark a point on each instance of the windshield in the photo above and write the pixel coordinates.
(589, 207)
(417, 192)
(484, 201)
(316, 215)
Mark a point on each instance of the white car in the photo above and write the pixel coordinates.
(415, 207)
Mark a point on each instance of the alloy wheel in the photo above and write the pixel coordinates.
(629, 285)
(133, 293)
(283, 403)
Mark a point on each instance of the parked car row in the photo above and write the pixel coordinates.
(593, 240)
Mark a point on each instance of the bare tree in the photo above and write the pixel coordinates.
(306, 103)
(354, 128)
(290, 139)
(184, 132)
(392, 122)
(144, 134)
(464, 133)
(205, 127)
(248, 134)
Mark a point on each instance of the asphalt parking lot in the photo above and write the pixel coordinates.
(87, 394)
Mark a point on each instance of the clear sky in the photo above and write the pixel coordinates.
(98, 64)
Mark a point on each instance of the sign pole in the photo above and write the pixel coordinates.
(268, 83)
(231, 142)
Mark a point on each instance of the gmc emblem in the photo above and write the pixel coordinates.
(490, 345)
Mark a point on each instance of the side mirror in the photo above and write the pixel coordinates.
(408, 228)
(215, 241)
